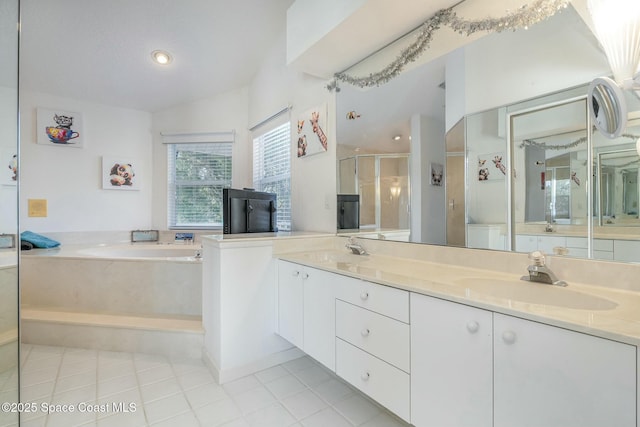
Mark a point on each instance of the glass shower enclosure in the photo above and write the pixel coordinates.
(382, 181)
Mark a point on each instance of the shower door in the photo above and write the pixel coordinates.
(9, 343)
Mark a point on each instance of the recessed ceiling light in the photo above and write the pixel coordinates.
(397, 138)
(161, 57)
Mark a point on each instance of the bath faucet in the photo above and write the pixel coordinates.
(540, 273)
(548, 228)
(355, 247)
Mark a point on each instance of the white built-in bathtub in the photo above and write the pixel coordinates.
(122, 297)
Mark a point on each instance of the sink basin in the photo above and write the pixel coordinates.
(334, 256)
(536, 293)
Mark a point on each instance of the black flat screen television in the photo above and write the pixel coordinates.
(248, 211)
(348, 211)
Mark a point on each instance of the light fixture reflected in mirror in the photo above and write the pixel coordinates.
(395, 190)
(607, 107)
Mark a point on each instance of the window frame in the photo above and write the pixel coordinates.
(260, 180)
(194, 141)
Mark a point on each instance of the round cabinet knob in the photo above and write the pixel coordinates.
(295, 273)
(365, 332)
(509, 337)
(305, 275)
(365, 376)
(364, 296)
(473, 327)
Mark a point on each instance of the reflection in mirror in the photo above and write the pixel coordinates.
(455, 173)
(618, 182)
(382, 183)
(9, 209)
(487, 211)
(518, 174)
(376, 130)
(550, 149)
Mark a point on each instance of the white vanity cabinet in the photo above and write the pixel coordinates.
(440, 363)
(290, 303)
(626, 250)
(553, 377)
(320, 315)
(451, 364)
(373, 342)
(306, 309)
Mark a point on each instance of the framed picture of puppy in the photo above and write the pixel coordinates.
(119, 173)
(59, 128)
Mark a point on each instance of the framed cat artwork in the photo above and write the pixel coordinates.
(59, 128)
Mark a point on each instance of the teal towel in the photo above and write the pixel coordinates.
(38, 240)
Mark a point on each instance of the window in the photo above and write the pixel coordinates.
(272, 170)
(197, 174)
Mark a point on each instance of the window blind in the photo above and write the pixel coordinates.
(197, 173)
(272, 169)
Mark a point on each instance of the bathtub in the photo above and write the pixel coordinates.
(8, 258)
(121, 297)
(146, 279)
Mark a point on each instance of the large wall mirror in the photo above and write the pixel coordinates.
(9, 359)
(530, 173)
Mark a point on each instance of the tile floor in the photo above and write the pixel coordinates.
(184, 394)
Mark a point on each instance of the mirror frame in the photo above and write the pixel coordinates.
(613, 106)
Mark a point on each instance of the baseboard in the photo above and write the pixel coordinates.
(228, 375)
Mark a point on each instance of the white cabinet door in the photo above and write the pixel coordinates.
(451, 364)
(626, 250)
(526, 243)
(320, 315)
(290, 303)
(552, 377)
(547, 243)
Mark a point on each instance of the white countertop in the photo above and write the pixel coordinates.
(253, 239)
(495, 291)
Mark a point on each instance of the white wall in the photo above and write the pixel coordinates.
(70, 178)
(308, 21)
(455, 92)
(428, 202)
(226, 112)
(552, 55)
(486, 200)
(313, 178)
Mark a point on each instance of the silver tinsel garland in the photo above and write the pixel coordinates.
(524, 17)
(572, 144)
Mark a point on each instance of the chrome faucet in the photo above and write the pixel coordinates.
(540, 273)
(355, 247)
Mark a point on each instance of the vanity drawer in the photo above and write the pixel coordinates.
(577, 242)
(385, 300)
(384, 383)
(374, 333)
